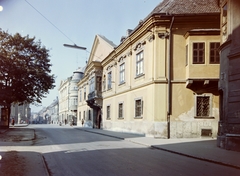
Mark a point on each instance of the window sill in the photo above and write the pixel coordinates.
(140, 75)
(121, 84)
(120, 118)
(139, 117)
(204, 117)
(108, 119)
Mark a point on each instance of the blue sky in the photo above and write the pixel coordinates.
(72, 21)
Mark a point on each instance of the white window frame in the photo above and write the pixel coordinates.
(135, 108)
(139, 63)
(109, 82)
(122, 73)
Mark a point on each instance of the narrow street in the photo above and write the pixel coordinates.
(72, 151)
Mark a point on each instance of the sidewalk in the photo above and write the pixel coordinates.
(199, 148)
(22, 162)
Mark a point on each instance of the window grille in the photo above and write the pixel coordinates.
(138, 108)
(203, 106)
(120, 110)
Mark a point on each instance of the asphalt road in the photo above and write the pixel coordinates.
(73, 152)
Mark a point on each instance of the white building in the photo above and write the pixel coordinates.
(68, 96)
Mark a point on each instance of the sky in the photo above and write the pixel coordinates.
(58, 22)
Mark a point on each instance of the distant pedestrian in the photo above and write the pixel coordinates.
(13, 121)
(82, 122)
(65, 121)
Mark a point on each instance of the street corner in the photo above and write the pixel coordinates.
(17, 135)
(22, 163)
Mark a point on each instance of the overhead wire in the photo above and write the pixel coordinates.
(49, 21)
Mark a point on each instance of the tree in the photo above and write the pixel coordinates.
(25, 74)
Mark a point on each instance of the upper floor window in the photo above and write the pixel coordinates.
(80, 95)
(139, 63)
(99, 83)
(199, 53)
(104, 83)
(92, 85)
(186, 55)
(84, 94)
(224, 22)
(122, 73)
(109, 84)
(214, 54)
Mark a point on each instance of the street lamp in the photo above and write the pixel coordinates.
(75, 46)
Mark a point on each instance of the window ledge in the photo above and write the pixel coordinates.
(120, 118)
(139, 117)
(108, 119)
(122, 83)
(204, 117)
(140, 75)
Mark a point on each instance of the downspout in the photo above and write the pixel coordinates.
(169, 109)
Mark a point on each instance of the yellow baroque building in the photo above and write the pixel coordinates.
(162, 80)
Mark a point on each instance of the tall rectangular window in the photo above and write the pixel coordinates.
(138, 108)
(89, 114)
(139, 63)
(120, 110)
(84, 94)
(84, 115)
(214, 54)
(99, 83)
(109, 80)
(108, 112)
(202, 106)
(199, 53)
(80, 115)
(122, 73)
(92, 85)
(80, 96)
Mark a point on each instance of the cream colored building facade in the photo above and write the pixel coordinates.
(90, 86)
(162, 79)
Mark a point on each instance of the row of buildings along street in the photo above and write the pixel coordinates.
(162, 80)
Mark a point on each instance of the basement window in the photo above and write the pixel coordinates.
(206, 132)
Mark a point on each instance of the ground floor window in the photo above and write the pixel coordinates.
(89, 114)
(138, 108)
(120, 110)
(108, 112)
(203, 106)
(80, 115)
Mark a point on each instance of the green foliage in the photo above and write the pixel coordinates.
(25, 74)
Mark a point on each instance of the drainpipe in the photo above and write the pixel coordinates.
(169, 109)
